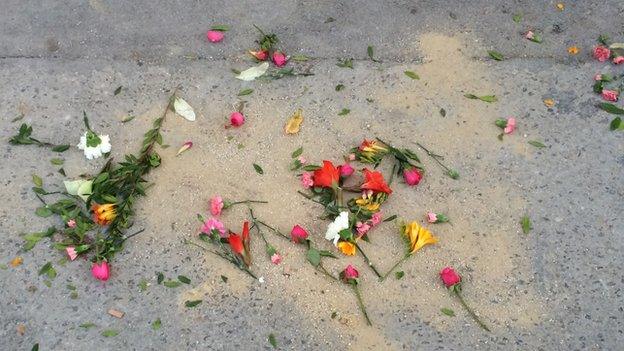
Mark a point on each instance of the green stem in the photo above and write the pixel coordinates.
(309, 197)
(434, 157)
(247, 202)
(368, 261)
(394, 267)
(472, 314)
(238, 264)
(274, 230)
(322, 269)
(361, 303)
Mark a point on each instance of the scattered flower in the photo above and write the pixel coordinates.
(610, 95)
(511, 125)
(187, 145)
(412, 176)
(71, 252)
(94, 146)
(350, 273)
(240, 244)
(302, 160)
(436, 218)
(452, 281)
(260, 55)
(333, 229)
(573, 50)
(532, 36)
(71, 223)
(103, 214)
(349, 276)
(449, 277)
(529, 35)
(214, 36)
(237, 119)
(346, 247)
(362, 228)
(18, 260)
(327, 176)
(293, 125)
(418, 236)
(279, 59)
(618, 60)
(213, 224)
(602, 53)
(549, 103)
(306, 180)
(376, 218)
(560, 6)
(369, 202)
(261, 280)
(374, 180)
(370, 151)
(346, 170)
(100, 271)
(216, 205)
(298, 234)
(276, 258)
(351, 157)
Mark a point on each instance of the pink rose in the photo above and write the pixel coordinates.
(602, 53)
(346, 170)
(214, 36)
(100, 271)
(412, 176)
(298, 234)
(529, 35)
(432, 217)
(598, 77)
(362, 228)
(276, 258)
(350, 273)
(71, 223)
(450, 277)
(71, 252)
(279, 59)
(306, 180)
(376, 218)
(618, 59)
(212, 224)
(216, 205)
(511, 125)
(260, 55)
(610, 95)
(237, 119)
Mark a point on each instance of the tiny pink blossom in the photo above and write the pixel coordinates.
(71, 223)
(511, 125)
(71, 252)
(618, 60)
(279, 59)
(216, 205)
(376, 218)
(306, 180)
(237, 119)
(276, 258)
(346, 170)
(351, 157)
(362, 228)
(214, 36)
(598, 77)
(302, 160)
(610, 95)
(529, 35)
(213, 224)
(100, 271)
(432, 217)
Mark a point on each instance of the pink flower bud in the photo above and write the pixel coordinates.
(376, 218)
(432, 217)
(610, 95)
(412, 176)
(350, 273)
(214, 36)
(216, 205)
(362, 228)
(351, 157)
(601, 53)
(511, 125)
(71, 252)
(618, 60)
(346, 170)
(260, 55)
(237, 119)
(276, 258)
(598, 77)
(449, 277)
(298, 234)
(100, 271)
(529, 35)
(279, 59)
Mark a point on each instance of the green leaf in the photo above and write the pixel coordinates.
(525, 222)
(453, 174)
(616, 124)
(60, 148)
(43, 211)
(344, 111)
(272, 340)
(517, 17)
(220, 27)
(346, 63)
(224, 278)
(128, 118)
(110, 333)
(314, 257)
(57, 161)
(447, 311)
(412, 75)
(172, 283)
(297, 152)
(160, 277)
(156, 324)
(184, 279)
(391, 218)
(193, 303)
(311, 168)
(536, 143)
(35, 347)
(87, 325)
(399, 274)
(258, 169)
(611, 108)
(443, 112)
(118, 90)
(339, 87)
(300, 58)
(496, 55)
(48, 270)
(142, 285)
(486, 98)
(37, 180)
(370, 52)
(245, 92)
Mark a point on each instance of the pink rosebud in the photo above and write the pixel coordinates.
(598, 77)
(449, 277)
(610, 95)
(100, 271)
(346, 170)
(412, 176)
(213, 224)
(511, 125)
(214, 36)
(376, 218)
(187, 145)
(71, 223)
(362, 228)
(302, 160)
(602, 53)
(298, 234)
(260, 55)
(618, 60)
(529, 35)
(432, 217)
(351, 157)
(350, 273)
(216, 205)
(306, 180)
(279, 59)
(71, 252)
(276, 258)
(237, 119)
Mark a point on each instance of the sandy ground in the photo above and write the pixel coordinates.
(557, 288)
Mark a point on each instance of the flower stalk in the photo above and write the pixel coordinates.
(397, 264)
(450, 172)
(368, 261)
(469, 310)
(361, 303)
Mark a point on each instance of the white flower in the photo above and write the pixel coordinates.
(94, 146)
(333, 229)
(261, 280)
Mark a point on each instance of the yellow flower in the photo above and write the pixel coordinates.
(347, 248)
(549, 103)
(371, 202)
(370, 149)
(573, 50)
(418, 236)
(103, 214)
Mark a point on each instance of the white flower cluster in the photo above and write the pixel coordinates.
(95, 151)
(333, 229)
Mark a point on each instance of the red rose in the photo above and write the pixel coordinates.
(449, 277)
(298, 234)
(412, 176)
(602, 53)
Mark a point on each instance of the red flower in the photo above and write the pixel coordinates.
(327, 176)
(374, 180)
(412, 176)
(236, 243)
(298, 234)
(100, 270)
(450, 277)
(240, 244)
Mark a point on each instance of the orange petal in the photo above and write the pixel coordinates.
(16, 261)
(294, 123)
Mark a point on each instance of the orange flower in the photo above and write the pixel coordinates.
(347, 248)
(327, 176)
(573, 50)
(374, 180)
(103, 214)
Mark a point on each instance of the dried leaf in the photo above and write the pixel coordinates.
(115, 313)
(253, 72)
(294, 122)
(118, 90)
(182, 108)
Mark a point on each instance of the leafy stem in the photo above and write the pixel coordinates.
(450, 172)
(469, 310)
(398, 263)
(368, 261)
(361, 303)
